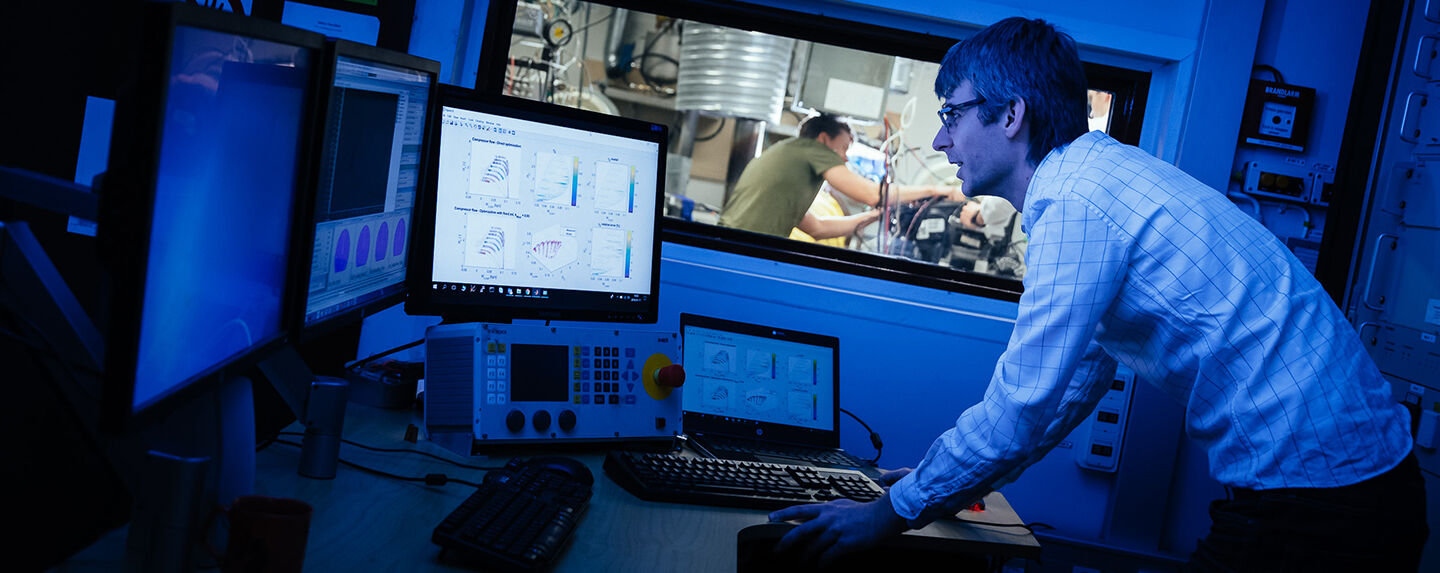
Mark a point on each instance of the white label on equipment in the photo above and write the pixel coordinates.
(930, 226)
(844, 97)
(1277, 120)
(1432, 311)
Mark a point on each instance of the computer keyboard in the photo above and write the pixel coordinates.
(739, 449)
(520, 517)
(712, 481)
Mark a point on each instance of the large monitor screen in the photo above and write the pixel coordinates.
(368, 173)
(214, 279)
(542, 212)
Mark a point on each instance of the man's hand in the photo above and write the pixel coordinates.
(889, 478)
(831, 530)
(950, 193)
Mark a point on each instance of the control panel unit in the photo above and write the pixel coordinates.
(525, 383)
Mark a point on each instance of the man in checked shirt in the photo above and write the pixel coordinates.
(1133, 261)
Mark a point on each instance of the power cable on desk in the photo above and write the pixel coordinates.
(428, 479)
(404, 451)
(874, 437)
(366, 359)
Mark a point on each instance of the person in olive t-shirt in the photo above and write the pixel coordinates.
(775, 191)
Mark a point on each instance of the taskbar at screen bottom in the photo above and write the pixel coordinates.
(523, 302)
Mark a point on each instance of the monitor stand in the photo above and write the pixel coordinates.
(318, 402)
(197, 460)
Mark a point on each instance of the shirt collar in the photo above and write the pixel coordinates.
(1055, 167)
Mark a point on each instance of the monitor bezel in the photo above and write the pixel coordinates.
(336, 49)
(700, 422)
(421, 263)
(128, 201)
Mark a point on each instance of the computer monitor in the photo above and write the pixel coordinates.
(371, 158)
(532, 210)
(199, 206)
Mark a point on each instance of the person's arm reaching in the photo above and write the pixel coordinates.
(830, 227)
(1047, 380)
(868, 192)
(1096, 371)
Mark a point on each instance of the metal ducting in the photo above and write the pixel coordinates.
(729, 72)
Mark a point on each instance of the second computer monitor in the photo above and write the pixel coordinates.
(538, 211)
(371, 159)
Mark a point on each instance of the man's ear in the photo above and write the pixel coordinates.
(1014, 118)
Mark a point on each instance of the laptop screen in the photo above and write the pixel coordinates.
(760, 382)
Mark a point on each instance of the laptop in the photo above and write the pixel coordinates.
(761, 393)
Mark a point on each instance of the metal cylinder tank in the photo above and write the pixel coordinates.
(730, 72)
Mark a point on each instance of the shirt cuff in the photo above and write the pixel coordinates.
(906, 500)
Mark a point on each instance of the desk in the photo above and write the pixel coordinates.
(365, 522)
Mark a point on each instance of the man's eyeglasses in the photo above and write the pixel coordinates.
(951, 113)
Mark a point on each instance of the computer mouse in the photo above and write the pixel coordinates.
(755, 549)
(568, 466)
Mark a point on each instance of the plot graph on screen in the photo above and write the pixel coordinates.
(489, 241)
(555, 247)
(760, 364)
(614, 186)
(760, 401)
(557, 178)
(610, 252)
(359, 247)
(803, 371)
(493, 170)
(719, 358)
(802, 407)
(342, 251)
(399, 238)
(717, 395)
(362, 246)
(382, 241)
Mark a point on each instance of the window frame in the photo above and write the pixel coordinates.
(1130, 88)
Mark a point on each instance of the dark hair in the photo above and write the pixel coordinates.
(1030, 60)
(823, 123)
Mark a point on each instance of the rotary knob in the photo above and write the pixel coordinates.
(567, 420)
(515, 420)
(541, 421)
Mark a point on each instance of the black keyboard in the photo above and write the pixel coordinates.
(744, 449)
(520, 518)
(732, 483)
